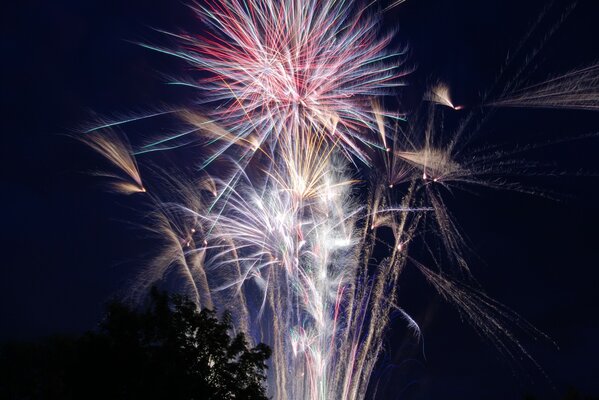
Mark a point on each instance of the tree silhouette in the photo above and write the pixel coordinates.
(169, 351)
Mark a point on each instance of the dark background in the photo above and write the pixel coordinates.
(67, 245)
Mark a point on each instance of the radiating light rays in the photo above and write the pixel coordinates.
(435, 164)
(290, 245)
(304, 165)
(277, 67)
(575, 90)
(440, 94)
(116, 149)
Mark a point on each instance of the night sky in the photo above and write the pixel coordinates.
(68, 246)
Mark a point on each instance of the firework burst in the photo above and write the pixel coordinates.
(281, 68)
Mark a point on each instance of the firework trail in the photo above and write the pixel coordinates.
(576, 90)
(124, 177)
(304, 178)
(439, 94)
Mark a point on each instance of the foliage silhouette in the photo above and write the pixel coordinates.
(169, 351)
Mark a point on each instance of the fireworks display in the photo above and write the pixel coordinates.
(301, 214)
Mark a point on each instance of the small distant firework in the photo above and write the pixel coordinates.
(116, 149)
(440, 94)
(303, 174)
(434, 163)
(576, 90)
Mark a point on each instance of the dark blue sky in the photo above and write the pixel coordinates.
(67, 249)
